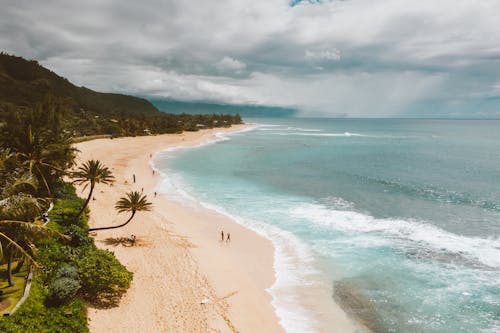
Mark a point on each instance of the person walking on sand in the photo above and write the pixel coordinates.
(133, 176)
(228, 239)
(222, 235)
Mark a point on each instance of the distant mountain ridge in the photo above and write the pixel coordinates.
(246, 111)
(24, 83)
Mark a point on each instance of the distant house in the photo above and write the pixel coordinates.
(147, 132)
(200, 125)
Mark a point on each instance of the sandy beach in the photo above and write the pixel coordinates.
(185, 278)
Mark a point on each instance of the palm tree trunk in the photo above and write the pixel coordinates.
(20, 265)
(10, 257)
(44, 180)
(116, 226)
(86, 203)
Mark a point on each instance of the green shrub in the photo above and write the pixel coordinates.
(79, 236)
(104, 279)
(62, 290)
(65, 213)
(65, 191)
(68, 271)
(52, 255)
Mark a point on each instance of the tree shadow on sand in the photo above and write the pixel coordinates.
(124, 241)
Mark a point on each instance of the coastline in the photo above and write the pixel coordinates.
(179, 259)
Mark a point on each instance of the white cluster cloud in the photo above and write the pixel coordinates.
(375, 57)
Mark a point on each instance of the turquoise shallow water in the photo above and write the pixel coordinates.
(402, 216)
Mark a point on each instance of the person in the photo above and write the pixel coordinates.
(155, 194)
(228, 239)
(222, 235)
(133, 176)
(132, 239)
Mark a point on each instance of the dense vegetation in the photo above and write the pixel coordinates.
(25, 84)
(69, 271)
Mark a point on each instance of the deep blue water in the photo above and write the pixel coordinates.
(402, 215)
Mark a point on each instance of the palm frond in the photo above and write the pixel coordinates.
(32, 229)
(92, 171)
(17, 246)
(20, 207)
(133, 202)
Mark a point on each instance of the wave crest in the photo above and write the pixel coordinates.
(484, 250)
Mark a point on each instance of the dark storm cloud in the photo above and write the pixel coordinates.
(354, 57)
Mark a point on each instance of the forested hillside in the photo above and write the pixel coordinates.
(26, 85)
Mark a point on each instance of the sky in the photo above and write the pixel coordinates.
(352, 58)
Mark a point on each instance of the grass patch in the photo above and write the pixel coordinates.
(11, 295)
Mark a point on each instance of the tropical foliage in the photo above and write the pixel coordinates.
(35, 155)
(35, 145)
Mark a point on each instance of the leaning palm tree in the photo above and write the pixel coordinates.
(91, 173)
(133, 202)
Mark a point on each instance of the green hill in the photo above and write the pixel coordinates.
(25, 83)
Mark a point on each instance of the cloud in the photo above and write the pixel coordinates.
(332, 54)
(230, 64)
(356, 57)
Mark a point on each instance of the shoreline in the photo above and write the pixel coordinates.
(186, 261)
(178, 261)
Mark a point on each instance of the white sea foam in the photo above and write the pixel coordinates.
(267, 127)
(217, 137)
(345, 134)
(300, 129)
(484, 250)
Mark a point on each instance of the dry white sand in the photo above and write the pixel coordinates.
(179, 261)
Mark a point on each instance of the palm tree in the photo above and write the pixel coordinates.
(36, 140)
(91, 173)
(133, 202)
(17, 205)
(18, 237)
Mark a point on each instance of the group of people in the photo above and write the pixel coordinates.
(228, 236)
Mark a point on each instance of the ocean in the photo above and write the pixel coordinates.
(401, 217)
